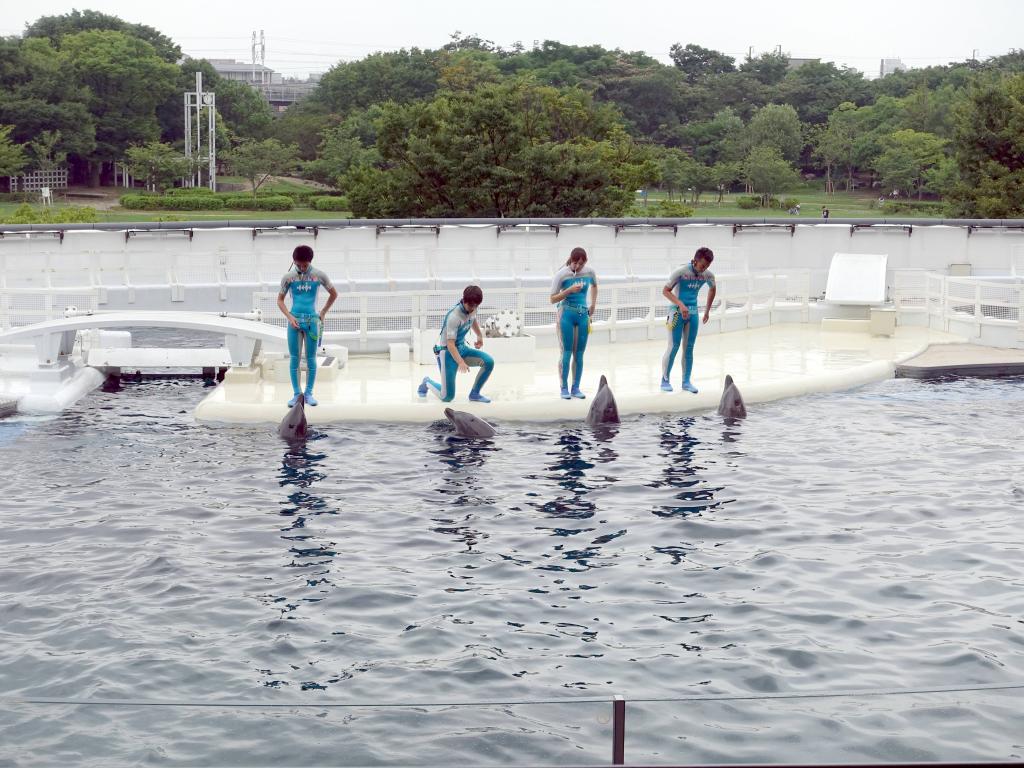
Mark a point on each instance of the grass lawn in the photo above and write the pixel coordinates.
(840, 205)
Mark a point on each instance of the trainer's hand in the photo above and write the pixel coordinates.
(684, 313)
(576, 288)
(323, 314)
(479, 343)
(293, 322)
(463, 368)
(706, 316)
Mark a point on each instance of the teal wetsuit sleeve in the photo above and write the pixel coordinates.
(674, 278)
(556, 284)
(709, 277)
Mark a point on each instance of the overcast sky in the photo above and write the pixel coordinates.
(303, 36)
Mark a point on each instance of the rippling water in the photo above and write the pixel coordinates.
(862, 540)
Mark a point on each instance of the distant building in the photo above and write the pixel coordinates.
(253, 74)
(891, 65)
(797, 63)
(280, 93)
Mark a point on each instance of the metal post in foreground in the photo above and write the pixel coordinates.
(618, 730)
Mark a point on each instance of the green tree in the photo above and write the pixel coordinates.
(989, 150)
(160, 165)
(345, 147)
(698, 63)
(38, 94)
(834, 143)
(56, 28)
(777, 125)
(509, 149)
(126, 82)
(768, 173)
(257, 161)
(816, 88)
(303, 125)
(908, 155)
(726, 174)
(768, 68)
(45, 153)
(400, 76)
(12, 156)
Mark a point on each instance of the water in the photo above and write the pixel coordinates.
(861, 540)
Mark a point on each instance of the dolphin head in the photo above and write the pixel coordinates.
(293, 425)
(468, 425)
(603, 408)
(731, 405)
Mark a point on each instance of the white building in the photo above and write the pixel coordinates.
(889, 66)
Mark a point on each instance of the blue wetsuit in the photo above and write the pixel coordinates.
(304, 287)
(455, 326)
(687, 284)
(573, 321)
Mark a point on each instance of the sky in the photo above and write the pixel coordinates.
(303, 37)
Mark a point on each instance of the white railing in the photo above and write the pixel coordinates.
(976, 301)
(20, 307)
(395, 315)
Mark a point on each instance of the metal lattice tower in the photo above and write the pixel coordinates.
(199, 100)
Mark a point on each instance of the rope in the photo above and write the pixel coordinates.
(46, 700)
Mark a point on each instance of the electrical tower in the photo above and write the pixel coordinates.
(199, 100)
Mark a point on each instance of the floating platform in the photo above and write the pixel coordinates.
(767, 364)
(945, 360)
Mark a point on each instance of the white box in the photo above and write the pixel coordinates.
(883, 321)
(399, 352)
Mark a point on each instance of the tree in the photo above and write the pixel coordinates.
(346, 147)
(58, 27)
(509, 149)
(400, 76)
(777, 125)
(816, 88)
(159, 164)
(907, 157)
(12, 156)
(834, 143)
(44, 152)
(259, 160)
(698, 63)
(768, 68)
(767, 172)
(126, 82)
(989, 150)
(726, 174)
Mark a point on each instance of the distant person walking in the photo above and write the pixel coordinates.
(824, 212)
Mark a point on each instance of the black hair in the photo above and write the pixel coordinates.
(302, 253)
(705, 253)
(576, 253)
(472, 295)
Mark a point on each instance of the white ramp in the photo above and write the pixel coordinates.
(856, 278)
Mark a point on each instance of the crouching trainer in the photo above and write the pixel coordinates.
(454, 355)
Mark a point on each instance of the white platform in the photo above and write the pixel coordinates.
(159, 357)
(767, 364)
(856, 278)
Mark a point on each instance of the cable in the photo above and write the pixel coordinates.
(46, 700)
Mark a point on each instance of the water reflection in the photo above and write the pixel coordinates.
(579, 452)
(301, 471)
(682, 471)
(460, 486)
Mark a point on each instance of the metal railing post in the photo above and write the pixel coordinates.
(618, 730)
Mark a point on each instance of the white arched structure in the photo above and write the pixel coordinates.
(55, 338)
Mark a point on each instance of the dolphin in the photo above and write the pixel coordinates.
(468, 425)
(603, 409)
(731, 405)
(293, 425)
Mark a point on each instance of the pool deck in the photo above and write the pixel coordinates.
(766, 363)
(963, 360)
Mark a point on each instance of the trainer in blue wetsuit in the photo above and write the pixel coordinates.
(681, 289)
(304, 322)
(569, 291)
(454, 329)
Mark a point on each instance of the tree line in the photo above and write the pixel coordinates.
(475, 129)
